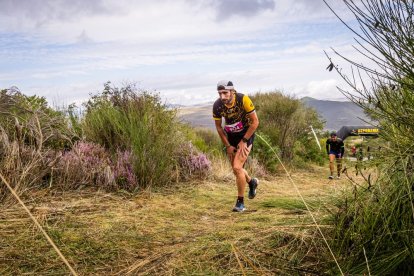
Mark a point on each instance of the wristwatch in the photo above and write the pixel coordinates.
(245, 140)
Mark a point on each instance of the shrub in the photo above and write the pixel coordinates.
(29, 120)
(24, 166)
(285, 121)
(193, 163)
(130, 119)
(89, 164)
(265, 154)
(31, 137)
(204, 140)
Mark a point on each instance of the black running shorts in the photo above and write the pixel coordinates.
(235, 138)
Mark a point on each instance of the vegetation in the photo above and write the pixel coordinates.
(285, 121)
(374, 227)
(187, 230)
(121, 119)
(31, 136)
(126, 140)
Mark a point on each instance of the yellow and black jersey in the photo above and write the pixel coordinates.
(235, 116)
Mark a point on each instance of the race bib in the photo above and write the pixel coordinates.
(233, 128)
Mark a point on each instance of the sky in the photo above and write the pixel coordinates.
(66, 50)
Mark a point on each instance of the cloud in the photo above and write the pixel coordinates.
(246, 8)
(179, 47)
(41, 12)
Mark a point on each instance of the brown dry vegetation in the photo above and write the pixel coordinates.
(187, 230)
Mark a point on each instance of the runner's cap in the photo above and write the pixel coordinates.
(225, 85)
(333, 133)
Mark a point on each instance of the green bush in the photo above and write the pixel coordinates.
(129, 119)
(265, 154)
(31, 121)
(204, 140)
(285, 122)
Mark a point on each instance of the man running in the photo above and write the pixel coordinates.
(238, 134)
(335, 149)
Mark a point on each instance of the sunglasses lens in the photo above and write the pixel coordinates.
(221, 87)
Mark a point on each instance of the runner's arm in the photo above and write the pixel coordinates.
(254, 123)
(327, 146)
(342, 148)
(221, 133)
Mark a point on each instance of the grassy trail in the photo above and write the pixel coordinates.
(189, 230)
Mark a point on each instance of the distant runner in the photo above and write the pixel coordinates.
(238, 134)
(335, 149)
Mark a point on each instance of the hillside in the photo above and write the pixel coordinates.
(335, 113)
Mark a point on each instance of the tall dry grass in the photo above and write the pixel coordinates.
(31, 135)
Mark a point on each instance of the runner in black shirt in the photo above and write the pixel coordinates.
(335, 149)
(241, 122)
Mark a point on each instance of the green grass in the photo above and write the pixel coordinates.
(284, 203)
(189, 230)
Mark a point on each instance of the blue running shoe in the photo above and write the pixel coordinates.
(252, 187)
(239, 207)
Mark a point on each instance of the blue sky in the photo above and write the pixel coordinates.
(65, 50)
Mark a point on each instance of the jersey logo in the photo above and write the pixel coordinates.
(233, 128)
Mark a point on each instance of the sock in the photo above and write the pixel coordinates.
(240, 199)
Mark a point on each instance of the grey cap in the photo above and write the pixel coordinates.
(225, 85)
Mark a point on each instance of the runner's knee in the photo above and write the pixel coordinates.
(238, 169)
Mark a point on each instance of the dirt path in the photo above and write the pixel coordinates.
(190, 230)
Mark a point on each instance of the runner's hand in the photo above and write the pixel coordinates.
(230, 150)
(242, 147)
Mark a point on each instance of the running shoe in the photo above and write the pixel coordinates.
(330, 177)
(239, 207)
(253, 187)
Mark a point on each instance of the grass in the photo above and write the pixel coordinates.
(189, 230)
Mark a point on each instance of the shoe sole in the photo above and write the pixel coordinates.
(255, 190)
(238, 210)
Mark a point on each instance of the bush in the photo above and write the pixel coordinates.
(204, 140)
(31, 137)
(193, 163)
(129, 119)
(29, 120)
(91, 165)
(285, 122)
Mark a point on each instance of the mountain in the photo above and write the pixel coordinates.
(198, 116)
(335, 113)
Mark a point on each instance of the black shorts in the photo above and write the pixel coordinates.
(336, 153)
(235, 138)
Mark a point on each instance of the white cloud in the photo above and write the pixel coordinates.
(181, 48)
